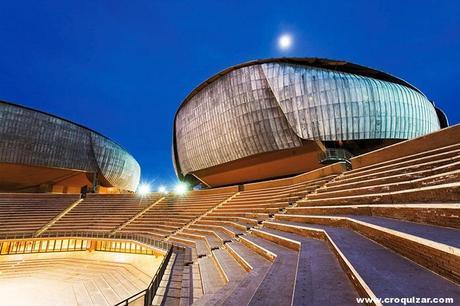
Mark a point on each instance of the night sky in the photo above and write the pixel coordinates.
(123, 67)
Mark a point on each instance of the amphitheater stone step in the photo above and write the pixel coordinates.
(438, 179)
(384, 270)
(318, 274)
(231, 269)
(220, 233)
(414, 159)
(211, 278)
(448, 236)
(430, 246)
(448, 193)
(387, 179)
(447, 215)
(240, 292)
(280, 278)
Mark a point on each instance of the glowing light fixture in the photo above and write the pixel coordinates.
(143, 189)
(162, 189)
(181, 188)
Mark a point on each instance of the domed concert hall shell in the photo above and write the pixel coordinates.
(40, 152)
(278, 117)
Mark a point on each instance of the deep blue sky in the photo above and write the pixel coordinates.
(123, 67)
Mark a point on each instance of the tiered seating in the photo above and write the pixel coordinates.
(247, 209)
(387, 229)
(26, 213)
(103, 212)
(410, 179)
(233, 270)
(362, 215)
(174, 212)
(177, 279)
(411, 188)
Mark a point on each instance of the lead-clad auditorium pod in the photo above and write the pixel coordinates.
(278, 117)
(42, 152)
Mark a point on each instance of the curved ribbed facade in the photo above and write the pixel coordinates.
(36, 139)
(332, 105)
(278, 104)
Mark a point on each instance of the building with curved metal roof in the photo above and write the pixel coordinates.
(277, 117)
(42, 152)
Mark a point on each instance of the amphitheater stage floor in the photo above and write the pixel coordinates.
(73, 278)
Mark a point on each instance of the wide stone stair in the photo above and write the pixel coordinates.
(387, 229)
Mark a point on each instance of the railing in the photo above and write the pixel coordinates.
(16, 235)
(149, 294)
(142, 238)
(332, 155)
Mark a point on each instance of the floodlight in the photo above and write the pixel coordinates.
(162, 189)
(143, 189)
(181, 188)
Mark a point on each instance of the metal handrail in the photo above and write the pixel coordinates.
(150, 292)
(334, 155)
(91, 235)
(132, 298)
(16, 235)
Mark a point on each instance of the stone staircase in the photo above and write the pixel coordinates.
(28, 214)
(232, 266)
(387, 229)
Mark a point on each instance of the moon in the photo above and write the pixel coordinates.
(285, 41)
